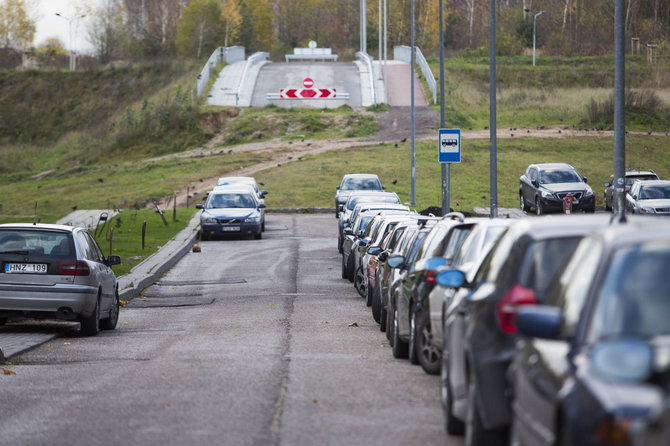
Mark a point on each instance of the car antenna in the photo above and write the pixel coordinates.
(35, 217)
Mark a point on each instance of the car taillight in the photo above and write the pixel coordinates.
(506, 310)
(74, 268)
(430, 277)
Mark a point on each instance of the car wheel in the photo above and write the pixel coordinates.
(359, 282)
(109, 323)
(389, 325)
(538, 207)
(452, 425)
(204, 236)
(350, 268)
(400, 347)
(376, 305)
(91, 325)
(429, 356)
(475, 433)
(258, 236)
(339, 243)
(608, 207)
(523, 205)
(344, 269)
(3, 320)
(411, 345)
(383, 319)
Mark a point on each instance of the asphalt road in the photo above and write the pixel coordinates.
(250, 342)
(344, 77)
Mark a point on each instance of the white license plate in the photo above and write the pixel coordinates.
(575, 201)
(230, 229)
(25, 268)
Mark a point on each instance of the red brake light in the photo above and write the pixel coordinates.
(73, 268)
(430, 277)
(506, 310)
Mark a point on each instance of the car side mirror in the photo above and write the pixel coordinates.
(634, 197)
(383, 187)
(452, 278)
(539, 321)
(374, 250)
(348, 231)
(340, 208)
(113, 260)
(200, 206)
(264, 192)
(337, 187)
(362, 243)
(585, 179)
(535, 183)
(262, 206)
(607, 184)
(396, 261)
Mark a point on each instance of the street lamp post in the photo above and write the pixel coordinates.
(73, 55)
(534, 27)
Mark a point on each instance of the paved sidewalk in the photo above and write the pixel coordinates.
(17, 338)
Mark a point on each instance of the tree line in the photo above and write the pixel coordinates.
(133, 29)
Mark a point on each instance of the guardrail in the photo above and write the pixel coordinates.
(366, 59)
(251, 61)
(404, 53)
(228, 54)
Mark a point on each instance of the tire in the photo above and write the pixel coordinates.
(344, 269)
(452, 425)
(400, 347)
(389, 325)
(522, 202)
(368, 293)
(109, 323)
(91, 325)
(475, 433)
(258, 236)
(204, 236)
(411, 345)
(3, 320)
(350, 267)
(376, 305)
(383, 319)
(429, 357)
(608, 207)
(538, 207)
(359, 282)
(339, 243)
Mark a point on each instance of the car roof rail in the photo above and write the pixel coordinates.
(455, 216)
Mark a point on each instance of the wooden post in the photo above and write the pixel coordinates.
(111, 240)
(174, 208)
(160, 212)
(144, 233)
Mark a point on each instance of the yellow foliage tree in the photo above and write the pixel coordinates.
(17, 28)
(231, 19)
(50, 52)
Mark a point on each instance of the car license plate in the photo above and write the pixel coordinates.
(25, 268)
(575, 201)
(230, 229)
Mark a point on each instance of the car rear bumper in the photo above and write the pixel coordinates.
(59, 301)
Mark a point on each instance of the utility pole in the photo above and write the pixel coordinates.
(446, 178)
(413, 197)
(619, 110)
(492, 125)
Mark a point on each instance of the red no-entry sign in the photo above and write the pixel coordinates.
(308, 83)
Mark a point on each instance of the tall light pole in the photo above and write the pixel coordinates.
(413, 167)
(73, 55)
(534, 27)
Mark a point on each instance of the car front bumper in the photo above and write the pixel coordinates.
(551, 204)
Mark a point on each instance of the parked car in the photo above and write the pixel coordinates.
(358, 197)
(401, 263)
(260, 200)
(351, 237)
(227, 181)
(440, 246)
(649, 197)
(57, 272)
(593, 364)
(629, 177)
(355, 181)
(479, 331)
(469, 256)
(544, 187)
(231, 210)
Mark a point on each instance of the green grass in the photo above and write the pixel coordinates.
(127, 235)
(311, 182)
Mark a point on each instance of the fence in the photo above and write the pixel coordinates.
(227, 54)
(404, 53)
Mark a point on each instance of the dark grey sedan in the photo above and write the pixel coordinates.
(545, 186)
(57, 272)
(595, 369)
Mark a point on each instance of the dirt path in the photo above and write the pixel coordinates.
(394, 127)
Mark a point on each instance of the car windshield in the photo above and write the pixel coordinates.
(232, 200)
(31, 242)
(634, 299)
(361, 184)
(559, 176)
(654, 192)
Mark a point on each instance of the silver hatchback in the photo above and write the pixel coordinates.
(57, 272)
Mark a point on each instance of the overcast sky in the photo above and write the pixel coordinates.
(50, 25)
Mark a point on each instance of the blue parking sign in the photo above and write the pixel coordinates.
(449, 146)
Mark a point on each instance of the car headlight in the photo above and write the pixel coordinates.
(546, 194)
(588, 192)
(252, 219)
(644, 210)
(209, 221)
